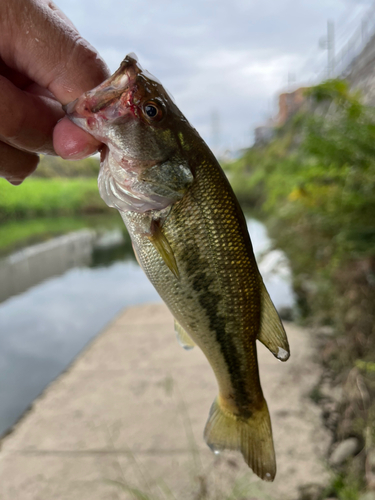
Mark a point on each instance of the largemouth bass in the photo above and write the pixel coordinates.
(190, 237)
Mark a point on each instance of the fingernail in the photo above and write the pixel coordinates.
(81, 154)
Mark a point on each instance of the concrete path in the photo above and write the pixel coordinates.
(127, 419)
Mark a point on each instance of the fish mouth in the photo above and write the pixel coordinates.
(116, 89)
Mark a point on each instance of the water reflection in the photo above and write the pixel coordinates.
(43, 329)
(35, 264)
(61, 293)
(111, 247)
(274, 268)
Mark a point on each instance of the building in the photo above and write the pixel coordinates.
(289, 104)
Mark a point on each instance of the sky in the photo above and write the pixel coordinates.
(224, 61)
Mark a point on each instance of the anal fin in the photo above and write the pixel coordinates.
(163, 247)
(271, 332)
(183, 338)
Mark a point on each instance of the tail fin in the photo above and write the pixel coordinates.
(253, 437)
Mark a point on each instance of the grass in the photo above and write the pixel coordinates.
(45, 197)
(53, 166)
(344, 487)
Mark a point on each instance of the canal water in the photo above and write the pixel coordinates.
(57, 295)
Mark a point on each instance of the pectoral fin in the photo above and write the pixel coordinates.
(162, 245)
(272, 333)
(183, 338)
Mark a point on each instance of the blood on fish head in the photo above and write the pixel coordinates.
(132, 114)
(148, 141)
(110, 100)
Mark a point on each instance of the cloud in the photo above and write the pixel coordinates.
(232, 56)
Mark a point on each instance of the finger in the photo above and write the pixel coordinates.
(19, 80)
(27, 120)
(59, 13)
(38, 42)
(36, 89)
(71, 142)
(16, 165)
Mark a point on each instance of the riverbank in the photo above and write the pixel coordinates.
(313, 186)
(127, 418)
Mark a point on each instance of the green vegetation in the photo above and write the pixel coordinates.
(54, 166)
(314, 185)
(344, 487)
(45, 197)
(56, 199)
(57, 187)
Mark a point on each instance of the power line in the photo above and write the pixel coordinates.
(342, 31)
(342, 26)
(342, 44)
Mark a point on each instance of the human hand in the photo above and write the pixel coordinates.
(44, 63)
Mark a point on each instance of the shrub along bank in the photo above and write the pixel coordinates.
(314, 184)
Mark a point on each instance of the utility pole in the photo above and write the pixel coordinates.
(328, 43)
(331, 48)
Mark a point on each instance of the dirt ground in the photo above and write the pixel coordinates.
(126, 422)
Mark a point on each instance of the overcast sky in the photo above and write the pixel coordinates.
(223, 57)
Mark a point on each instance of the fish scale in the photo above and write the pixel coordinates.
(190, 237)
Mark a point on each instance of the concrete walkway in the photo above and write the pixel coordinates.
(127, 419)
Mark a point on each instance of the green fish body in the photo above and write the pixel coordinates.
(190, 237)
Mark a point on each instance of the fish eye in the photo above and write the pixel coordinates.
(152, 111)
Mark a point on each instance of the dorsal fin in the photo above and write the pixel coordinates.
(271, 332)
(183, 337)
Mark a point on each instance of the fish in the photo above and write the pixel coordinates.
(190, 237)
